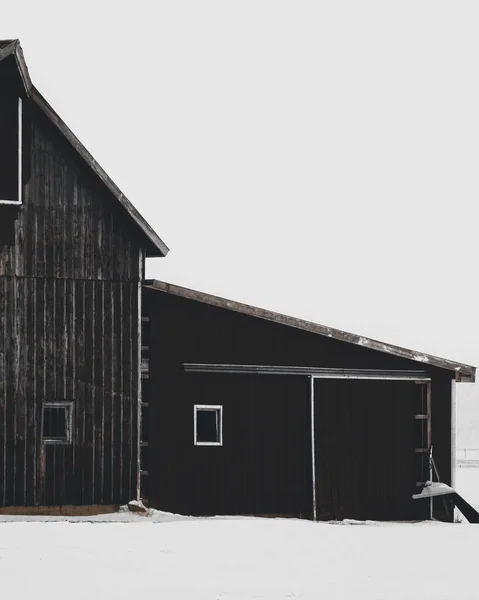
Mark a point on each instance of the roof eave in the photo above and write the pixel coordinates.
(462, 377)
(463, 373)
(155, 245)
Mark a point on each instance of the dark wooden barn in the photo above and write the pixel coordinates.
(72, 252)
(253, 412)
(113, 388)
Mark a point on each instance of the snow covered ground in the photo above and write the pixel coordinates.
(170, 557)
(237, 558)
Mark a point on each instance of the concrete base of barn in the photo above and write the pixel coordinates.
(67, 510)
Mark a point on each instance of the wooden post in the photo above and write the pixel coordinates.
(429, 440)
(138, 405)
(453, 433)
(313, 448)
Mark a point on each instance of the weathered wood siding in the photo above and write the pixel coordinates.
(365, 462)
(68, 331)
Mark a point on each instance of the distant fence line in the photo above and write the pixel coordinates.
(467, 457)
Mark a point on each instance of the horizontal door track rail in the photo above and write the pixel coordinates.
(315, 372)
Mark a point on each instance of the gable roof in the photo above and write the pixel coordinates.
(155, 246)
(462, 372)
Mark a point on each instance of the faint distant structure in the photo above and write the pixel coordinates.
(467, 457)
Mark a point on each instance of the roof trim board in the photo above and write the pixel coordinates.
(463, 372)
(155, 246)
(314, 372)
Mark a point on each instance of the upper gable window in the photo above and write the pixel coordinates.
(10, 149)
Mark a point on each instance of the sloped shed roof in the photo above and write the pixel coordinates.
(155, 246)
(462, 372)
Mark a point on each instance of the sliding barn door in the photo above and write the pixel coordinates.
(365, 449)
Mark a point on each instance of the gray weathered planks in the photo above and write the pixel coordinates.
(68, 325)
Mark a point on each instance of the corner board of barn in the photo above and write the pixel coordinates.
(114, 388)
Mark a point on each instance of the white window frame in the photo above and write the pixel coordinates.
(213, 408)
(60, 441)
(20, 153)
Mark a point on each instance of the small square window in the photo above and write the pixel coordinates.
(57, 423)
(208, 425)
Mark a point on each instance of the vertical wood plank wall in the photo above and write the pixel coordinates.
(68, 331)
(264, 465)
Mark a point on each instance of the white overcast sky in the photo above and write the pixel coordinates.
(315, 158)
